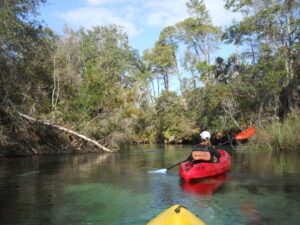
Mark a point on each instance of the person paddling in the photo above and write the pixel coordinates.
(204, 151)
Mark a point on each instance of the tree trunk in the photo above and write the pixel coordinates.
(178, 74)
(166, 81)
(66, 130)
(157, 86)
(252, 51)
(237, 60)
(193, 78)
(54, 85)
(152, 83)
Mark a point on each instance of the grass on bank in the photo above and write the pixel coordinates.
(282, 136)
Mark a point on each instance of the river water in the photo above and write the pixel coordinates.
(117, 189)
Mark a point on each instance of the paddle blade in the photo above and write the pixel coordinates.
(158, 171)
(245, 134)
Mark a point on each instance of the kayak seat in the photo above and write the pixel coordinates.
(201, 155)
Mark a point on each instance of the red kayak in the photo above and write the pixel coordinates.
(188, 171)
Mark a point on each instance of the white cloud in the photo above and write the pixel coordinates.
(168, 12)
(136, 15)
(102, 2)
(131, 12)
(109, 2)
(220, 16)
(91, 16)
(165, 12)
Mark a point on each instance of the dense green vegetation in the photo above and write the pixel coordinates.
(279, 136)
(94, 82)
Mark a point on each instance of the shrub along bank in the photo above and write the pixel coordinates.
(282, 136)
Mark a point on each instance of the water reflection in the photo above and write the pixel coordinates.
(98, 159)
(204, 186)
(250, 212)
(262, 163)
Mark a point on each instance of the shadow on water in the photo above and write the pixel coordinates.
(116, 189)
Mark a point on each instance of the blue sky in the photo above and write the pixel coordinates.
(142, 19)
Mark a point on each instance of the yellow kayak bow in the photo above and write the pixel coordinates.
(176, 215)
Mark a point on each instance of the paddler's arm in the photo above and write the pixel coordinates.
(215, 153)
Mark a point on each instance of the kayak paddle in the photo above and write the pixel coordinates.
(245, 134)
(166, 169)
(176, 164)
(241, 136)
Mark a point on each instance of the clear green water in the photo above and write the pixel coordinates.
(116, 189)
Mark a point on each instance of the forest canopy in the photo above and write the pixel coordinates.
(94, 82)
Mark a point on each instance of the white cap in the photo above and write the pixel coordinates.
(205, 135)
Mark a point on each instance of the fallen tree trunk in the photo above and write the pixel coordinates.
(66, 130)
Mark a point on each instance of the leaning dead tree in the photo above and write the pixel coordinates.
(66, 130)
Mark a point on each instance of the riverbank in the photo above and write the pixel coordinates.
(31, 139)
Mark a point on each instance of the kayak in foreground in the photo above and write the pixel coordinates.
(189, 171)
(176, 215)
